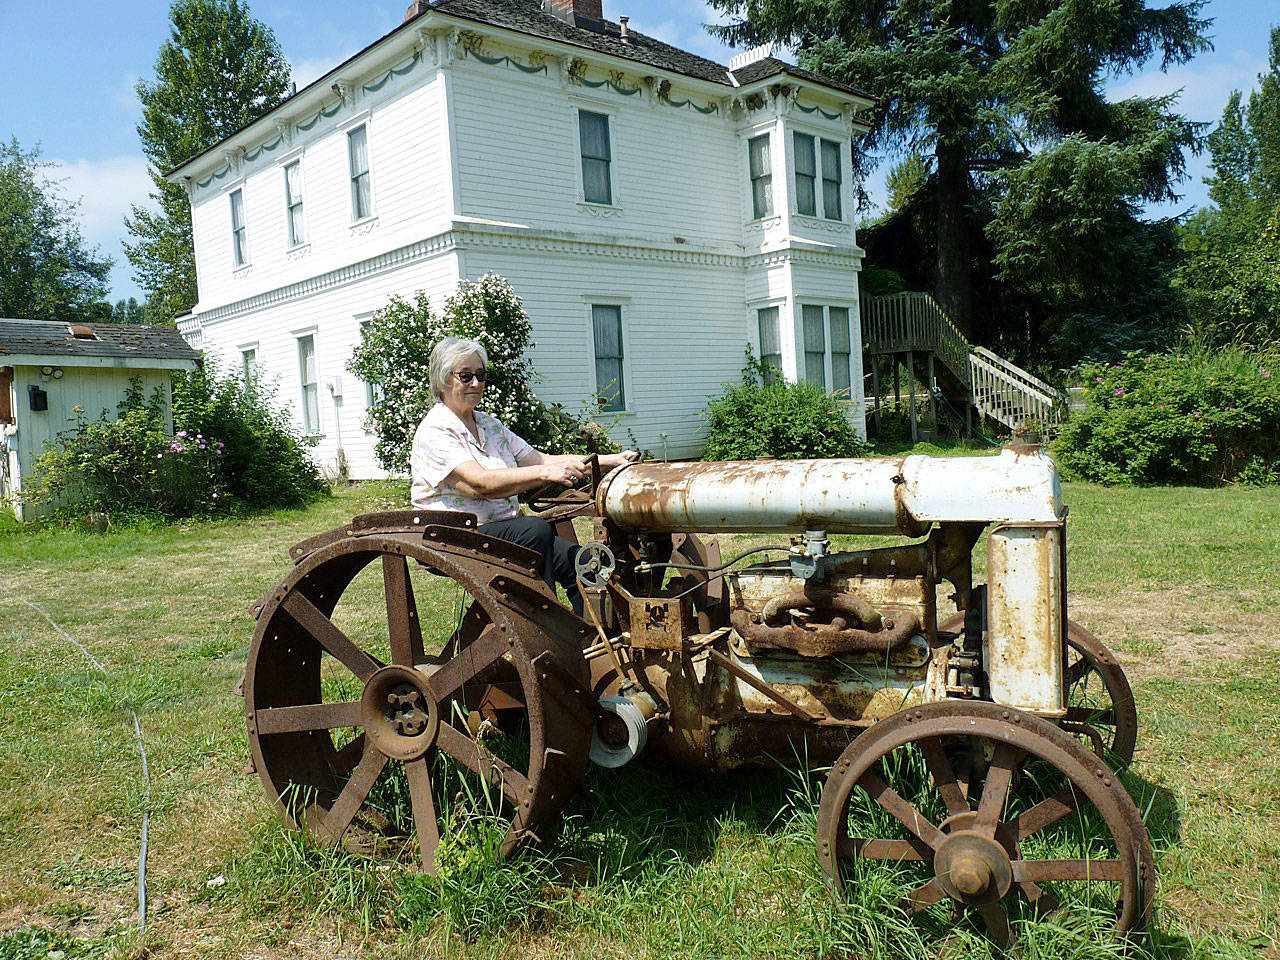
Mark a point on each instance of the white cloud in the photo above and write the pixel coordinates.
(106, 189)
(313, 68)
(1205, 84)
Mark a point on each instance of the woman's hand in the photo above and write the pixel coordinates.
(610, 460)
(565, 472)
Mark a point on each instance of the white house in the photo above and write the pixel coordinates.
(49, 369)
(658, 213)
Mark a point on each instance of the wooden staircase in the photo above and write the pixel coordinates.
(915, 332)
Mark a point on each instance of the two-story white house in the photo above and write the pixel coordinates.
(657, 212)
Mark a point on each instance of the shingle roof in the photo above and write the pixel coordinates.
(528, 17)
(53, 338)
(770, 66)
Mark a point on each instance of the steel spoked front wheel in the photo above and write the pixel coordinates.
(995, 812)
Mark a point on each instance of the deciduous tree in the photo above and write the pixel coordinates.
(47, 271)
(219, 70)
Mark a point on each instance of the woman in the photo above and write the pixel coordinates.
(465, 459)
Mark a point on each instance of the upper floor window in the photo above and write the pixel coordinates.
(239, 236)
(809, 187)
(770, 342)
(831, 180)
(293, 202)
(606, 324)
(310, 384)
(761, 177)
(593, 136)
(358, 161)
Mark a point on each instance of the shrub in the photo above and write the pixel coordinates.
(396, 349)
(129, 465)
(1192, 417)
(263, 463)
(764, 417)
(229, 448)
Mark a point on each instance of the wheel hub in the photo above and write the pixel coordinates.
(972, 867)
(400, 714)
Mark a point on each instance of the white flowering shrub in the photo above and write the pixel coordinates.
(396, 349)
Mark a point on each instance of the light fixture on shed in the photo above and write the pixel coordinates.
(46, 371)
(57, 373)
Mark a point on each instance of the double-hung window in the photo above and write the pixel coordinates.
(841, 379)
(606, 327)
(813, 191)
(293, 203)
(593, 136)
(358, 164)
(770, 343)
(761, 177)
(815, 345)
(806, 174)
(831, 180)
(239, 236)
(249, 362)
(372, 391)
(310, 385)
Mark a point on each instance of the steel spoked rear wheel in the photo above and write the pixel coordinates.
(993, 811)
(362, 735)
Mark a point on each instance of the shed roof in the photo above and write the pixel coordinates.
(109, 341)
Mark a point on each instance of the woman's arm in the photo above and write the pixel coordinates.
(607, 460)
(472, 480)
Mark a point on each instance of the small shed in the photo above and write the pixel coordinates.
(48, 368)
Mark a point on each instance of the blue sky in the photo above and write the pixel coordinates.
(70, 69)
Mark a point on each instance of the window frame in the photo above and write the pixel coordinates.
(297, 234)
(812, 177)
(249, 362)
(767, 177)
(838, 190)
(310, 429)
(348, 132)
(239, 234)
(627, 385)
(828, 353)
(776, 308)
(372, 391)
(610, 116)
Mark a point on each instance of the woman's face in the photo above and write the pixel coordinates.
(459, 394)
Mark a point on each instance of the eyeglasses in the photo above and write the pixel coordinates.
(466, 376)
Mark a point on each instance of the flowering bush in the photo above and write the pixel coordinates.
(1193, 417)
(396, 349)
(129, 465)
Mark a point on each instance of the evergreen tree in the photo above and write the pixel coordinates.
(47, 272)
(1006, 97)
(130, 311)
(219, 70)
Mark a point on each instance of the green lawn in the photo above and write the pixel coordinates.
(1182, 583)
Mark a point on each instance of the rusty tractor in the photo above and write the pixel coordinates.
(979, 745)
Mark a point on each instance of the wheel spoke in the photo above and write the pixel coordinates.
(477, 759)
(1096, 717)
(309, 716)
(1044, 813)
(1078, 670)
(345, 760)
(995, 789)
(944, 777)
(924, 896)
(469, 662)
(898, 851)
(1039, 871)
(903, 811)
(329, 636)
(347, 805)
(402, 611)
(424, 811)
(997, 922)
(1038, 898)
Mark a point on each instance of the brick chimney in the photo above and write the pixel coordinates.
(573, 11)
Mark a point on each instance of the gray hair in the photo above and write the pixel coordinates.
(446, 355)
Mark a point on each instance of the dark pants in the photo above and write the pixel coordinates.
(558, 553)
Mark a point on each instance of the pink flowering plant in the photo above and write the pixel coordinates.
(1196, 416)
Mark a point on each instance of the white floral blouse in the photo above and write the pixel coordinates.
(441, 442)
